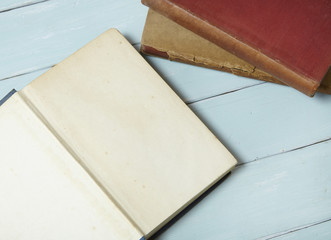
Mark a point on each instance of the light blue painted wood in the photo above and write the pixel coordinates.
(318, 232)
(18, 82)
(55, 29)
(42, 35)
(246, 179)
(189, 88)
(266, 119)
(251, 124)
(12, 4)
(263, 198)
(195, 83)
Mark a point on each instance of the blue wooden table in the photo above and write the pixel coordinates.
(281, 188)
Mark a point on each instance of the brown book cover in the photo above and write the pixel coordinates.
(167, 39)
(288, 39)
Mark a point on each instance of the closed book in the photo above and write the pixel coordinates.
(290, 40)
(100, 147)
(164, 38)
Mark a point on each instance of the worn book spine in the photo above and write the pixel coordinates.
(325, 86)
(149, 50)
(234, 46)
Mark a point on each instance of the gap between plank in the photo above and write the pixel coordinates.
(225, 93)
(28, 72)
(22, 5)
(277, 235)
(189, 103)
(288, 151)
(238, 165)
(43, 68)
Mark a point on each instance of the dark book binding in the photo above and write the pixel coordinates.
(5, 98)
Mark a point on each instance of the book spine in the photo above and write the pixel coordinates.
(5, 98)
(325, 86)
(229, 43)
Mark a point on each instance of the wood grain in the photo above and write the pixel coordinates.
(256, 122)
(43, 34)
(263, 198)
(8, 5)
(320, 231)
(18, 82)
(196, 83)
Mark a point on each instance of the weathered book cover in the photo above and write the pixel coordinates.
(100, 147)
(164, 38)
(288, 39)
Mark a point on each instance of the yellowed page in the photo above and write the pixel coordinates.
(137, 138)
(45, 193)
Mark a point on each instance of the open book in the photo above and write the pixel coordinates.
(100, 147)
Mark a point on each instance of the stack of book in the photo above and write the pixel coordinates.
(285, 42)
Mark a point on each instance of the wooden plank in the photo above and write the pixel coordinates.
(267, 112)
(190, 82)
(247, 177)
(18, 82)
(194, 83)
(43, 34)
(262, 198)
(317, 232)
(55, 29)
(7, 5)
(266, 119)
(48, 32)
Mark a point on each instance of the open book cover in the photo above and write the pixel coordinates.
(100, 147)
(288, 39)
(164, 38)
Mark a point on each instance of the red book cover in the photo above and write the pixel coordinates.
(291, 40)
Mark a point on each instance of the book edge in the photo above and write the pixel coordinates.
(152, 51)
(181, 209)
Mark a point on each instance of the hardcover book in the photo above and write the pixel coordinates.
(100, 147)
(164, 38)
(290, 40)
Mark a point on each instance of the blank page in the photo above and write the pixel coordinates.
(45, 193)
